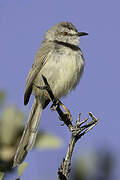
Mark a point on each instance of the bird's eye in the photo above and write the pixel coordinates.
(65, 33)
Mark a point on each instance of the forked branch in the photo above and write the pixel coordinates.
(77, 130)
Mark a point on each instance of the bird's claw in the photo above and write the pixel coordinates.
(54, 106)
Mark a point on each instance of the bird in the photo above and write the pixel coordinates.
(61, 61)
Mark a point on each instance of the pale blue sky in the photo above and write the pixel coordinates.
(22, 26)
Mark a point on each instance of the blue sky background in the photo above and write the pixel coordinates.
(22, 26)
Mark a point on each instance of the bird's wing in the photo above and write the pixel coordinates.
(40, 60)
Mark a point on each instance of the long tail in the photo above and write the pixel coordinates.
(29, 134)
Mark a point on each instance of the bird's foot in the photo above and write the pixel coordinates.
(67, 112)
(55, 105)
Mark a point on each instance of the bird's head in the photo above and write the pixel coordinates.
(64, 32)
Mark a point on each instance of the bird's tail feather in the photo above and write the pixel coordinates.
(29, 135)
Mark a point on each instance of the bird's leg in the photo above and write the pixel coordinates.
(56, 103)
(43, 88)
(47, 95)
(67, 112)
(59, 103)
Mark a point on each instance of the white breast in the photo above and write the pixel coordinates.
(64, 71)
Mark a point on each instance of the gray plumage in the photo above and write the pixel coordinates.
(61, 61)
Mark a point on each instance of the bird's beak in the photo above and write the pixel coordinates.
(82, 34)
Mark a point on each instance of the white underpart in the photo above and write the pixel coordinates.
(64, 71)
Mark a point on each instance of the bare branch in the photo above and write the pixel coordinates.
(77, 131)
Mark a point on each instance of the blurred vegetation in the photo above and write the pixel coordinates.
(21, 169)
(2, 98)
(93, 166)
(96, 165)
(2, 175)
(11, 129)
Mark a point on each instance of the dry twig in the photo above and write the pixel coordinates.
(77, 131)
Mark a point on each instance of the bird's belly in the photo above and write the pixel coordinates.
(63, 73)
